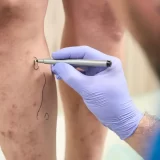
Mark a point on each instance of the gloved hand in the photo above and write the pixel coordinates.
(104, 90)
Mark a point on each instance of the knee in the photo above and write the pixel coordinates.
(6, 4)
(86, 9)
(12, 12)
(9, 9)
(81, 9)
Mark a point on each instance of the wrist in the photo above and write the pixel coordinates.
(149, 124)
(143, 136)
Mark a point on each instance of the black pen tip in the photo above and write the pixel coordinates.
(109, 63)
(36, 61)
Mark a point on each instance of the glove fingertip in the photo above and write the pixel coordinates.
(53, 69)
(60, 68)
(58, 77)
(56, 55)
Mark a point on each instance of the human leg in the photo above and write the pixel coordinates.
(89, 23)
(27, 93)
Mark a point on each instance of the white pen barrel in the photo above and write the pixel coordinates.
(91, 63)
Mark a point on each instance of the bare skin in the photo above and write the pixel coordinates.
(89, 23)
(25, 133)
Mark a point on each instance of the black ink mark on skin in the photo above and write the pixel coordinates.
(36, 67)
(42, 95)
(46, 116)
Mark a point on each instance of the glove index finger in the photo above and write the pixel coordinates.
(69, 75)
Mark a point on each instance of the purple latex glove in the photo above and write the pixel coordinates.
(104, 90)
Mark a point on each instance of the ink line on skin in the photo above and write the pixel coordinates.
(36, 67)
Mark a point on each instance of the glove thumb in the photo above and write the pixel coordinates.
(69, 75)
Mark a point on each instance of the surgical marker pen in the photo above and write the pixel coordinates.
(78, 62)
